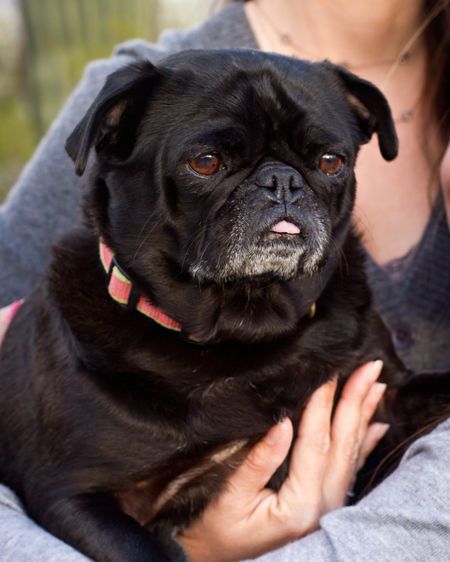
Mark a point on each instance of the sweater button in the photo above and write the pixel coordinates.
(402, 336)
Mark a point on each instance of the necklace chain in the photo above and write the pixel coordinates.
(403, 58)
(286, 39)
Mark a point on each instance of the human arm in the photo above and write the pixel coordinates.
(22, 540)
(46, 200)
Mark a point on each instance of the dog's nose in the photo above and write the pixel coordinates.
(281, 184)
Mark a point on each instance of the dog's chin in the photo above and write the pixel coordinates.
(273, 258)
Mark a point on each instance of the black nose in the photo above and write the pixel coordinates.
(282, 184)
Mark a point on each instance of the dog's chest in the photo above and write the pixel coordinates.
(224, 420)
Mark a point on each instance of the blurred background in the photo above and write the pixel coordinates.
(44, 46)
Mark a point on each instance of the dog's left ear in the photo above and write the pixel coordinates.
(373, 112)
(111, 122)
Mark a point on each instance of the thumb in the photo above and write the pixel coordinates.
(262, 461)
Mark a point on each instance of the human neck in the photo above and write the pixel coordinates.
(341, 30)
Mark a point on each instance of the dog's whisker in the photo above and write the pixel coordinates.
(343, 261)
(156, 223)
(198, 235)
(142, 242)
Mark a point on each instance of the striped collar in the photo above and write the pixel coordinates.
(122, 290)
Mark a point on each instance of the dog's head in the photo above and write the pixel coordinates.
(228, 166)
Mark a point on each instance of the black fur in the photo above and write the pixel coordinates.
(101, 407)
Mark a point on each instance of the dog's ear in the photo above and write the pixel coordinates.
(111, 122)
(373, 112)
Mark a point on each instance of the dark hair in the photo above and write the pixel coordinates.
(437, 90)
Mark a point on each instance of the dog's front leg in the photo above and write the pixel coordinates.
(95, 525)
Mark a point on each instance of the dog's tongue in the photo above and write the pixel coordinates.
(284, 227)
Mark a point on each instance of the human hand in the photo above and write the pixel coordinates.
(248, 519)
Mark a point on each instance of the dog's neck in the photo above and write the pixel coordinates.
(122, 290)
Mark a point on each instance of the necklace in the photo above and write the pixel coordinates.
(402, 59)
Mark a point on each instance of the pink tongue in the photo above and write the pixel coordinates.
(284, 227)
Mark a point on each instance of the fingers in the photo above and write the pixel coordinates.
(370, 403)
(375, 432)
(356, 406)
(309, 454)
(229, 522)
(262, 462)
(368, 409)
(250, 519)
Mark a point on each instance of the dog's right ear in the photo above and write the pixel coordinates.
(111, 122)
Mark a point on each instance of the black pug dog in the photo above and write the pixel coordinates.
(217, 283)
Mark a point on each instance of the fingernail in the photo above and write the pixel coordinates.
(378, 389)
(274, 435)
(375, 370)
(382, 429)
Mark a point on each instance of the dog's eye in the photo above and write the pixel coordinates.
(330, 164)
(206, 164)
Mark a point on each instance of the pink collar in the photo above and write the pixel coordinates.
(122, 290)
(6, 316)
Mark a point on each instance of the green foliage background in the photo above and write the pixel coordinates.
(44, 46)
